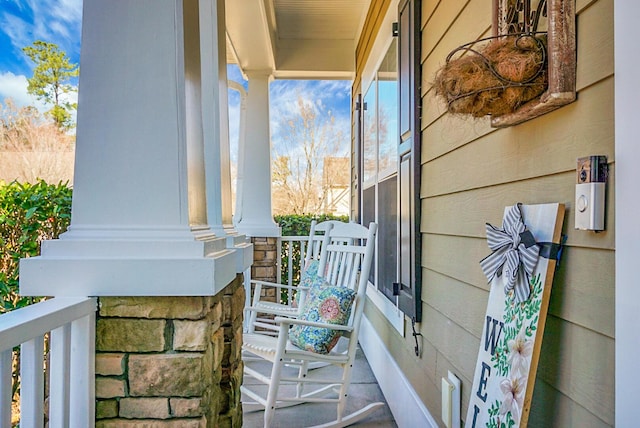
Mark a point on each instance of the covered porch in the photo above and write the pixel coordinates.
(152, 239)
(154, 245)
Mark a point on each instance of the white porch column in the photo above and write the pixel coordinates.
(626, 32)
(140, 212)
(215, 129)
(241, 143)
(255, 162)
(215, 111)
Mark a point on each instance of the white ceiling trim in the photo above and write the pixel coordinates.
(296, 39)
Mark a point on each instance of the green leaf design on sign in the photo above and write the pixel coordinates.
(518, 317)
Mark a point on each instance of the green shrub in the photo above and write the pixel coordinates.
(297, 225)
(29, 214)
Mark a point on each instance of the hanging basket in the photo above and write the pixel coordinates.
(495, 75)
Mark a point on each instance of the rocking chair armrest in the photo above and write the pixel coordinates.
(268, 311)
(257, 291)
(251, 309)
(276, 285)
(285, 322)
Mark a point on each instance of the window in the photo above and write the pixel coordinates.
(390, 153)
(370, 137)
(379, 169)
(387, 80)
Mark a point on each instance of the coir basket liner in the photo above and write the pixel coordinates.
(493, 76)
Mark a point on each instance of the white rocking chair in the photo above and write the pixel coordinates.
(318, 237)
(345, 263)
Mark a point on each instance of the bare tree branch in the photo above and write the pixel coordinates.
(307, 140)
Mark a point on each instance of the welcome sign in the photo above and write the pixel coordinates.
(520, 270)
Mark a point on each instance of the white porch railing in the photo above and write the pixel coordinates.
(71, 323)
(294, 242)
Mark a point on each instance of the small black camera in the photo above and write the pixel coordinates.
(592, 169)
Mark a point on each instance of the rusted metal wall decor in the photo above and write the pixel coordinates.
(557, 18)
(517, 16)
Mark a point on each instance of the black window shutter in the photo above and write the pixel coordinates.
(410, 273)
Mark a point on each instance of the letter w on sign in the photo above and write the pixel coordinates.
(490, 335)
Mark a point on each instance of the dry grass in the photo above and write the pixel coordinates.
(33, 148)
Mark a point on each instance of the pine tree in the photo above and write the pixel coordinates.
(51, 75)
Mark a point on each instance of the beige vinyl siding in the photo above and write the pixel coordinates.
(470, 172)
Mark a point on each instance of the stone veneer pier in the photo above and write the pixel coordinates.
(166, 362)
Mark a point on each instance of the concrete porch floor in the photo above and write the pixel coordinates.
(363, 391)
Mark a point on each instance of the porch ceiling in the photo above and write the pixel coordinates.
(307, 39)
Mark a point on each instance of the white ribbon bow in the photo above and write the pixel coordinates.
(515, 254)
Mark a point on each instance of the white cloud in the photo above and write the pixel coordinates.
(15, 87)
(54, 21)
(17, 29)
(322, 96)
(68, 10)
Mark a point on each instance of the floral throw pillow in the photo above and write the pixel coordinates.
(330, 305)
(311, 279)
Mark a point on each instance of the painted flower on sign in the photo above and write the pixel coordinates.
(513, 389)
(520, 350)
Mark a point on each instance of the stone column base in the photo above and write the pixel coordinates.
(170, 361)
(265, 264)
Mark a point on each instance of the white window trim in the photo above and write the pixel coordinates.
(386, 173)
(391, 311)
(382, 43)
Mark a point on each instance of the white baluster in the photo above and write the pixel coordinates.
(5, 388)
(82, 372)
(247, 297)
(32, 383)
(59, 377)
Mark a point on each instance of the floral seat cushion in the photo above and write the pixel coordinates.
(329, 305)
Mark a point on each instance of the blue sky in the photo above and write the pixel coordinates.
(59, 21)
(325, 95)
